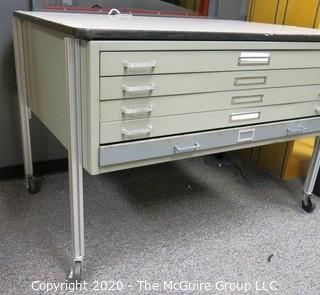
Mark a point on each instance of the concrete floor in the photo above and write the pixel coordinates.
(182, 221)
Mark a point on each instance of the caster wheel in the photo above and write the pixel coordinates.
(32, 187)
(76, 273)
(309, 205)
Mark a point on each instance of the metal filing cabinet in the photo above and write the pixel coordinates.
(125, 91)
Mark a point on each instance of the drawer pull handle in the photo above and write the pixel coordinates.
(246, 81)
(137, 111)
(139, 65)
(254, 58)
(244, 116)
(186, 149)
(246, 135)
(247, 99)
(300, 129)
(135, 89)
(136, 132)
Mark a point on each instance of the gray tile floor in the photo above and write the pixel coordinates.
(188, 220)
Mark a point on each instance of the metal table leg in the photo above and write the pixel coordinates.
(75, 144)
(307, 203)
(24, 110)
(75, 155)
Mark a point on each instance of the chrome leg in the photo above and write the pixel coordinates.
(75, 156)
(311, 178)
(23, 103)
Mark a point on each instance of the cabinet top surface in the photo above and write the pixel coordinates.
(118, 27)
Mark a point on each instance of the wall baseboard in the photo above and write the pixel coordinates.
(40, 168)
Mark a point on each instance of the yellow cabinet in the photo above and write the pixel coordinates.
(288, 12)
(270, 11)
(286, 160)
(297, 159)
(301, 13)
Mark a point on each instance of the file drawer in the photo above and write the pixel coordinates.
(173, 84)
(165, 62)
(129, 109)
(168, 125)
(177, 147)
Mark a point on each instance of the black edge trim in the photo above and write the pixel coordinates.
(91, 35)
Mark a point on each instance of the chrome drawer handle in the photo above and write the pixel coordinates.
(300, 129)
(137, 111)
(246, 81)
(254, 58)
(186, 149)
(136, 132)
(134, 89)
(247, 99)
(139, 65)
(244, 116)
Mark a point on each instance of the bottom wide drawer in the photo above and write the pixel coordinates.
(169, 125)
(203, 142)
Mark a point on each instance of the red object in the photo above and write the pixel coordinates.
(204, 7)
(156, 12)
(203, 10)
(74, 8)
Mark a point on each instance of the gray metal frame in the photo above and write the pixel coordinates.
(22, 99)
(312, 172)
(72, 47)
(75, 155)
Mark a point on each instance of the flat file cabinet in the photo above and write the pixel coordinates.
(126, 91)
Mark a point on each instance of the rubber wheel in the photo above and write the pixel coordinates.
(77, 272)
(309, 207)
(32, 187)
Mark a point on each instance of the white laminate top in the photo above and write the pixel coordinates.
(173, 24)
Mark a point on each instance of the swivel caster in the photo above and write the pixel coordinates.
(307, 203)
(32, 187)
(76, 272)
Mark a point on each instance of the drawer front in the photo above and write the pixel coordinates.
(173, 84)
(168, 125)
(165, 62)
(130, 109)
(191, 144)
